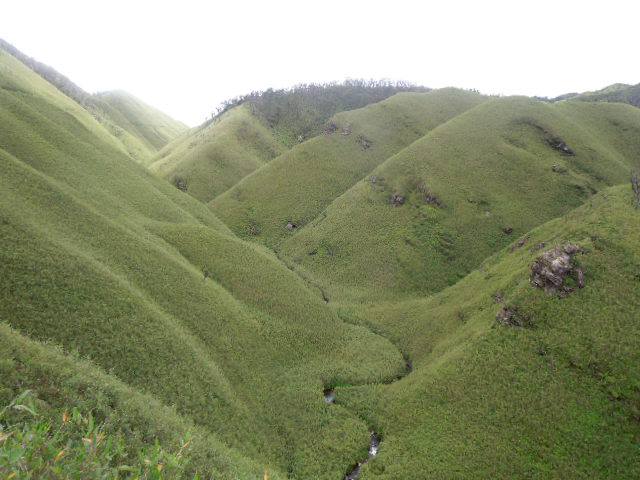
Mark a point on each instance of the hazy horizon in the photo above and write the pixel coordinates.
(193, 56)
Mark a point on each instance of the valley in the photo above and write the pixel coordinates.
(363, 280)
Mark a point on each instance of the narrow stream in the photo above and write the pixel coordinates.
(374, 444)
(374, 441)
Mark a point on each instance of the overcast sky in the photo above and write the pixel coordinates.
(185, 57)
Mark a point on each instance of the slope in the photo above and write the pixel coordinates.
(618, 92)
(213, 157)
(295, 187)
(153, 127)
(104, 259)
(558, 397)
(140, 129)
(430, 214)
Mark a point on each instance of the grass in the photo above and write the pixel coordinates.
(104, 259)
(142, 337)
(138, 128)
(143, 129)
(619, 93)
(299, 184)
(212, 158)
(491, 169)
(558, 399)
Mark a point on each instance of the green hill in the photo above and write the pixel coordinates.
(556, 398)
(141, 129)
(468, 188)
(215, 156)
(458, 287)
(251, 130)
(143, 122)
(295, 187)
(618, 92)
(104, 259)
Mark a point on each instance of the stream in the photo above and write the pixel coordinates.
(375, 439)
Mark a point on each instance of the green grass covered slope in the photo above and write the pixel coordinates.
(619, 92)
(556, 398)
(130, 115)
(113, 264)
(140, 129)
(462, 192)
(299, 184)
(210, 159)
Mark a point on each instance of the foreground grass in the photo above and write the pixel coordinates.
(104, 259)
(557, 399)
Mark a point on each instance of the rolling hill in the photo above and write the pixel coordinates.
(464, 191)
(618, 93)
(129, 115)
(140, 129)
(438, 285)
(295, 187)
(249, 131)
(104, 259)
(212, 158)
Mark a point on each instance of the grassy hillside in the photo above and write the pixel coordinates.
(467, 188)
(558, 398)
(298, 185)
(618, 92)
(210, 159)
(104, 259)
(140, 129)
(63, 417)
(299, 113)
(141, 338)
(154, 128)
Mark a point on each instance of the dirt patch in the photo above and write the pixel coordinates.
(364, 142)
(511, 317)
(427, 195)
(558, 144)
(556, 272)
(330, 128)
(180, 183)
(397, 200)
(519, 244)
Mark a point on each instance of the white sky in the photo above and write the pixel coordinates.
(185, 57)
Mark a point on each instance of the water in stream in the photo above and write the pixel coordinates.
(374, 444)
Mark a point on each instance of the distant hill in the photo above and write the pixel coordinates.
(435, 285)
(299, 184)
(618, 92)
(142, 121)
(251, 130)
(210, 159)
(141, 129)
